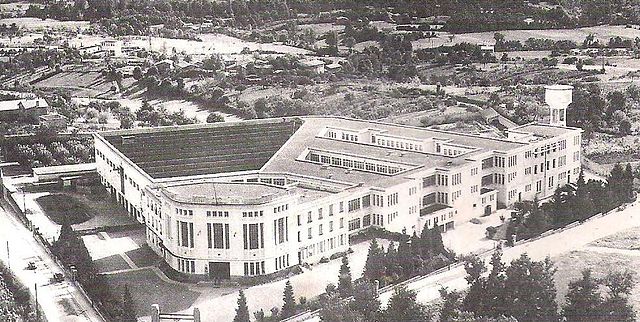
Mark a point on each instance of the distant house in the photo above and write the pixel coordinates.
(342, 21)
(528, 21)
(12, 109)
(112, 48)
(164, 65)
(89, 50)
(490, 49)
(333, 67)
(315, 66)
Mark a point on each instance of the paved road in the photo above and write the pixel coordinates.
(61, 302)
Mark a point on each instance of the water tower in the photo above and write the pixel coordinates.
(558, 97)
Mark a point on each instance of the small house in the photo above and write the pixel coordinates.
(315, 66)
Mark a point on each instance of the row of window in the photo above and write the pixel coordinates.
(281, 208)
(354, 164)
(397, 144)
(254, 268)
(217, 213)
(186, 266)
(252, 214)
(322, 246)
(392, 199)
(282, 262)
(320, 230)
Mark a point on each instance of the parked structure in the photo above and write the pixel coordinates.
(256, 197)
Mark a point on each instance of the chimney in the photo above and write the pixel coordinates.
(558, 97)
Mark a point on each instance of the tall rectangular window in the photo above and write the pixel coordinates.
(185, 237)
(218, 236)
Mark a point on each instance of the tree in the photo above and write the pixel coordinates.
(531, 289)
(289, 307)
(128, 308)
(495, 296)
(475, 298)
(365, 301)
(374, 267)
(345, 283)
(583, 299)
(335, 309)
(451, 306)
(242, 311)
(137, 73)
(403, 307)
(215, 118)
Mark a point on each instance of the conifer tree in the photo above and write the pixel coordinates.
(289, 307)
(345, 283)
(374, 267)
(128, 308)
(242, 311)
(437, 245)
(583, 299)
(628, 183)
(365, 301)
(495, 296)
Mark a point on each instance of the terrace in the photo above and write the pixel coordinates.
(175, 152)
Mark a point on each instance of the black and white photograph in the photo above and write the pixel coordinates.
(319, 160)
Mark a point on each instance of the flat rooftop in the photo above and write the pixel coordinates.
(225, 189)
(545, 130)
(201, 149)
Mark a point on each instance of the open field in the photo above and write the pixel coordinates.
(629, 239)
(80, 83)
(602, 33)
(38, 24)
(571, 264)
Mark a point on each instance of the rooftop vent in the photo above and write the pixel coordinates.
(329, 176)
(449, 163)
(324, 167)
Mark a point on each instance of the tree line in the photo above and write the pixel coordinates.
(571, 203)
(525, 291)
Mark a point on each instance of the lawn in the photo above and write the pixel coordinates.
(61, 207)
(106, 212)
(143, 256)
(628, 239)
(570, 265)
(147, 289)
(110, 264)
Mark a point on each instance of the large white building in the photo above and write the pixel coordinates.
(256, 197)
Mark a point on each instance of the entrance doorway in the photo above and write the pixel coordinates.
(487, 210)
(219, 270)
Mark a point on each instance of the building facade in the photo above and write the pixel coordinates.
(257, 197)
